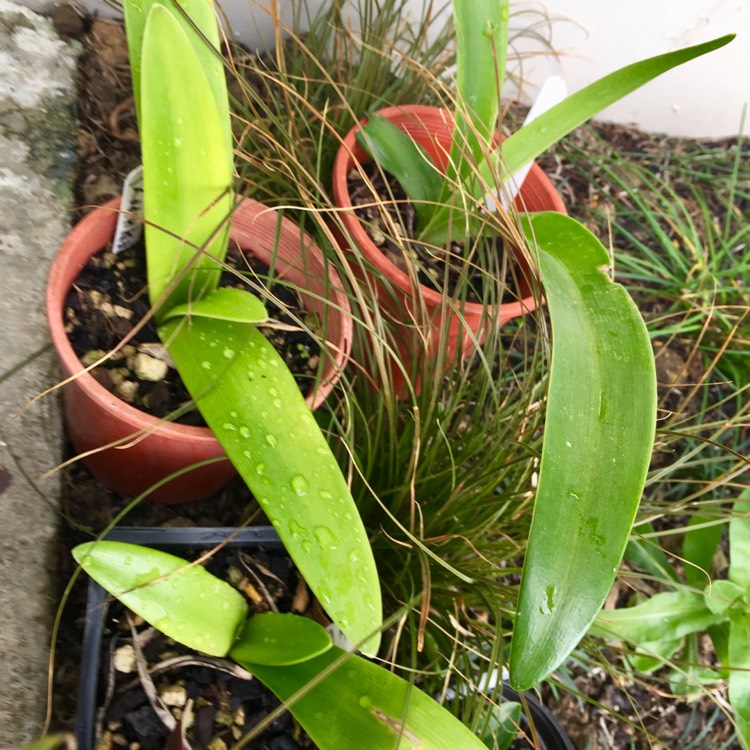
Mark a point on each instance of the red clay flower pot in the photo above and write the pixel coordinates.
(432, 128)
(150, 449)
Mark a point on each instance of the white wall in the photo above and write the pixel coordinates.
(594, 37)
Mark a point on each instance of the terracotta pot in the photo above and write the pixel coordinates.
(432, 128)
(150, 449)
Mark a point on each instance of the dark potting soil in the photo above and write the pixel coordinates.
(110, 298)
(463, 270)
(217, 701)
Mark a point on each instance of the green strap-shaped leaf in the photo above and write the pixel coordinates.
(224, 303)
(398, 154)
(739, 674)
(187, 174)
(184, 601)
(533, 139)
(205, 41)
(252, 403)
(278, 640)
(739, 542)
(599, 433)
(361, 704)
(669, 615)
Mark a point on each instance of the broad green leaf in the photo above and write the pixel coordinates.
(361, 704)
(719, 635)
(649, 656)
(277, 640)
(739, 542)
(503, 725)
(599, 433)
(395, 152)
(532, 140)
(724, 595)
(669, 615)
(224, 303)
(203, 34)
(184, 601)
(50, 742)
(699, 547)
(187, 176)
(252, 403)
(739, 673)
(646, 554)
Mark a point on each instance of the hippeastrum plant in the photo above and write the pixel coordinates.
(601, 402)
(342, 700)
(241, 385)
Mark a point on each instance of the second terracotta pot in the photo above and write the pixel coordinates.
(129, 450)
(432, 128)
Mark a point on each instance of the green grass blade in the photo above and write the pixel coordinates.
(364, 705)
(598, 439)
(187, 177)
(184, 601)
(252, 403)
(527, 143)
(224, 303)
(646, 554)
(698, 548)
(278, 640)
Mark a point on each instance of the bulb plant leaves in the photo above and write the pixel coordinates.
(253, 405)
(264, 425)
(187, 179)
(599, 433)
(181, 599)
(347, 701)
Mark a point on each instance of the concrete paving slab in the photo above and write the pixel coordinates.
(37, 99)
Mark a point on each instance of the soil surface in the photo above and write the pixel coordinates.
(616, 713)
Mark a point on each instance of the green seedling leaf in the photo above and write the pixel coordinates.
(252, 403)
(724, 595)
(203, 34)
(503, 725)
(669, 615)
(699, 547)
(395, 152)
(181, 599)
(600, 422)
(362, 700)
(277, 640)
(224, 303)
(187, 176)
(651, 656)
(533, 139)
(739, 674)
(739, 542)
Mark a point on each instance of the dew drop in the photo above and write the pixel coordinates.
(260, 469)
(326, 537)
(244, 431)
(277, 403)
(300, 485)
(229, 427)
(271, 440)
(251, 374)
(206, 365)
(228, 353)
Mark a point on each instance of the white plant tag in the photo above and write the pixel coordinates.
(553, 91)
(130, 219)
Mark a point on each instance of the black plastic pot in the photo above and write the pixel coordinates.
(549, 733)
(96, 607)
